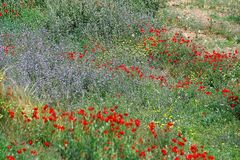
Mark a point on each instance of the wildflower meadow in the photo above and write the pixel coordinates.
(127, 79)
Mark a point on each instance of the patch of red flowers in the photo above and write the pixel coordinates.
(6, 10)
(11, 113)
(10, 158)
(120, 127)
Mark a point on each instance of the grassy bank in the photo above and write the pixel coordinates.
(80, 80)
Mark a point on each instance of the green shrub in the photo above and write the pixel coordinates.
(97, 18)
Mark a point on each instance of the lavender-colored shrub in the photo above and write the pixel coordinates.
(39, 66)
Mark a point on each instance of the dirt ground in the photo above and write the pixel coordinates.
(214, 33)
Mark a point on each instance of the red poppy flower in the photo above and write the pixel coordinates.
(181, 143)
(71, 55)
(134, 130)
(174, 140)
(81, 55)
(137, 122)
(59, 127)
(84, 122)
(34, 152)
(45, 107)
(201, 88)
(149, 149)
(170, 124)
(181, 152)
(184, 139)
(105, 132)
(30, 142)
(164, 152)
(11, 113)
(225, 90)
(10, 158)
(1, 14)
(151, 125)
(211, 157)
(175, 149)
(208, 93)
(19, 151)
(81, 112)
(52, 118)
(35, 114)
(47, 144)
(126, 114)
(152, 30)
(52, 112)
(115, 107)
(4, 4)
(142, 30)
(193, 149)
(27, 120)
(236, 52)
(233, 105)
(121, 132)
(90, 108)
(142, 154)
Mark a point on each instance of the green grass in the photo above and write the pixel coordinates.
(28, 18)
(234, 18)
